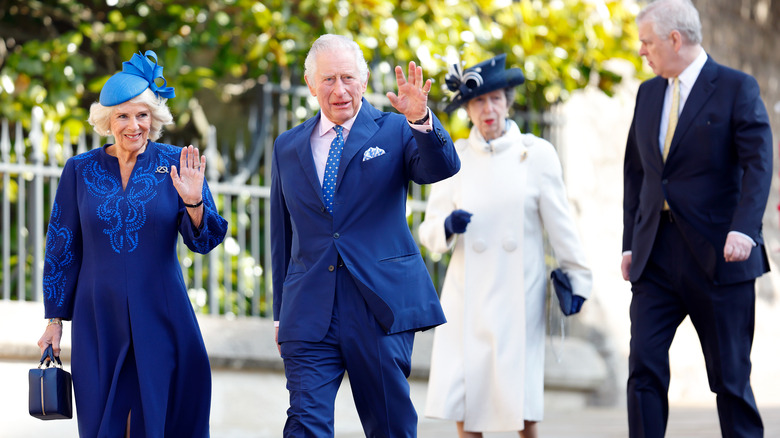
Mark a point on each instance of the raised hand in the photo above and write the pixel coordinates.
(188, 179)
(412, 98)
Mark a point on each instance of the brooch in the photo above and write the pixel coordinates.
(161, 169)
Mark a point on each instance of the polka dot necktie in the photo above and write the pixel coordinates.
(332, 168)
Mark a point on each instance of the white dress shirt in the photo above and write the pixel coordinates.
(687, 79)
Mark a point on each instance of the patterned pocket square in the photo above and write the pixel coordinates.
(372, 153)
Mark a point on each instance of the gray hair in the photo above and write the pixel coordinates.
(509, 92)
(100, 116)
(329, 42)
(669, 15)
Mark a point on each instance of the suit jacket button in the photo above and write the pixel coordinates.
(331, 268)
(335, 235)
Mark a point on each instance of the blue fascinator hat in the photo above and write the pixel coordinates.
(482, 78)
(138, 74)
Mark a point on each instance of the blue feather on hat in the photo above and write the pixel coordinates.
(138, 74)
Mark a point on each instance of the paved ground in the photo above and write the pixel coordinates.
(252, 404)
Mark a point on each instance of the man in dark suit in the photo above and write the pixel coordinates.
(350, 287)
(698, 168)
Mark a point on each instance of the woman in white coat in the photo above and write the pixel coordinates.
(487, 367)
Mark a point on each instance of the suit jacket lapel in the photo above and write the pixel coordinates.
(303, 145)
(362, 130)
(655, 107)
(700, 92)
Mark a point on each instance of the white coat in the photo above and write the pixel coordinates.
(487, 366)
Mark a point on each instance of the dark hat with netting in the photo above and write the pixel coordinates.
(482, 78)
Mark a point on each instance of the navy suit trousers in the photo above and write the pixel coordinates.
(672, 287)
(377, 364)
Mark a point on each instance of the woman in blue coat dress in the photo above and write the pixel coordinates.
(139, 364)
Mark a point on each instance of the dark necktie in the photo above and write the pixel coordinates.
(332, 168)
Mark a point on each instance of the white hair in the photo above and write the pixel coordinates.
(329, 42)
(669, 15)
(100, 116)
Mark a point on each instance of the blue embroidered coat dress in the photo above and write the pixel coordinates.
(111, 267)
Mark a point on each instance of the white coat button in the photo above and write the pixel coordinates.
(509, 244)
(479, 245)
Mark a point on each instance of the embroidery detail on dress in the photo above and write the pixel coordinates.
(59, 255)
(124, 215)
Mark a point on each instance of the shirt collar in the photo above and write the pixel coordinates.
(691, 73)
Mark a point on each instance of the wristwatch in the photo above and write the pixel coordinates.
(424, 119)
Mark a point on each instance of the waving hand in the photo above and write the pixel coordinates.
(412, 98)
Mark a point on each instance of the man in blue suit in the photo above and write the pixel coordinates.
(698, 168)
(350, 287)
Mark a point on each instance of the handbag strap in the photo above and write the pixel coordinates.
(50, 358)
(553, 309)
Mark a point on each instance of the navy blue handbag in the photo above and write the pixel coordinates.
(563, 290)
(50, 389)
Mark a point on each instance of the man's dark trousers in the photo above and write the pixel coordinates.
(672, 286)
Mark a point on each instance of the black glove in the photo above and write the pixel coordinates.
(456, 222)
(576, 303)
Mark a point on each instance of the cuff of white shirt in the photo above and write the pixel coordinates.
(752, 242)
(276, 324)
(625, 253)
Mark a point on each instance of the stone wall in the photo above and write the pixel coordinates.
(743, 34)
